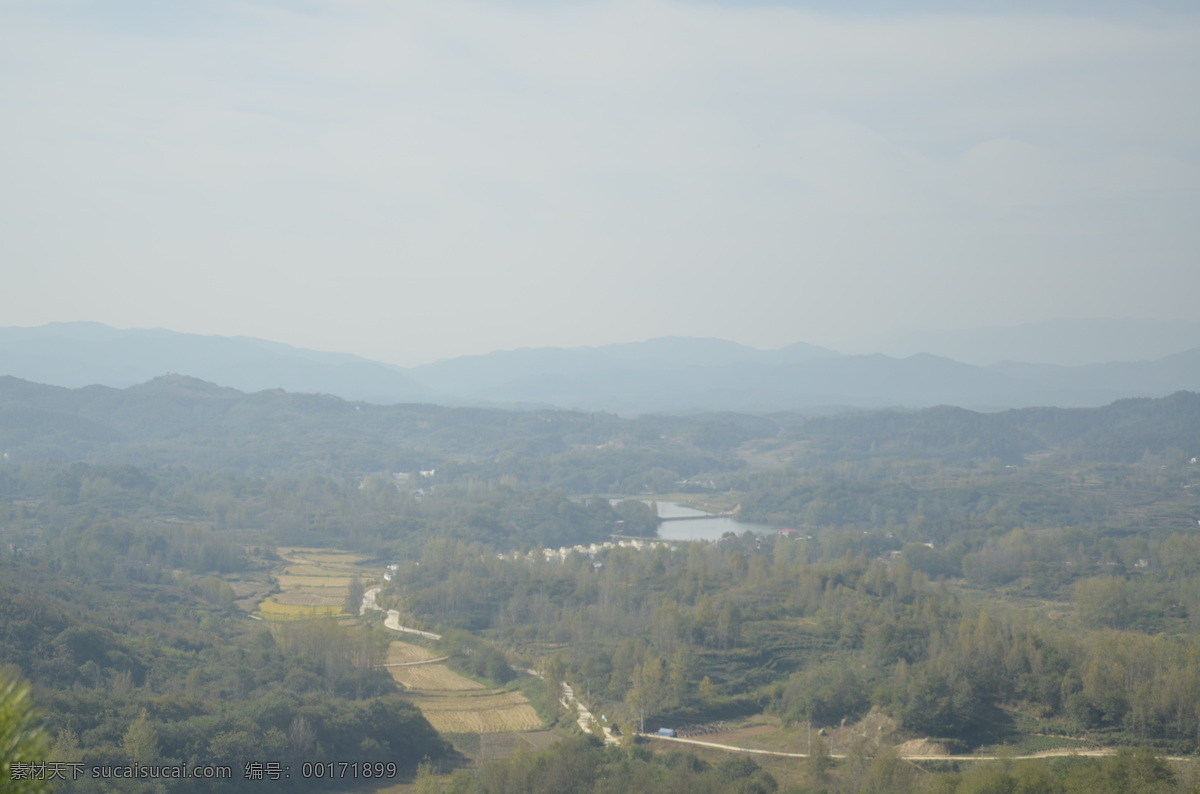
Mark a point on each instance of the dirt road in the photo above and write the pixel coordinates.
(780, 754)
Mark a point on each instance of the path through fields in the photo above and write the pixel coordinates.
(585, 717)
(1103, 751)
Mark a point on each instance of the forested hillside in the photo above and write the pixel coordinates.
(175, 420)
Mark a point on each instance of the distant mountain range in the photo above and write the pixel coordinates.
(1065, 342)
(668, 375)
(85, 354)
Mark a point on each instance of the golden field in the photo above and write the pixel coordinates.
(273, 610)
(433, 677)
(486, 699)
(514, 718)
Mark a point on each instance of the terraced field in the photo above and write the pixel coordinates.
(314, 583)
(507, 719)
(407, 653)
(455, 704)
(437, 679)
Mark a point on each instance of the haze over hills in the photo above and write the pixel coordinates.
(671, 374)
(1065, 342)
(85, 354)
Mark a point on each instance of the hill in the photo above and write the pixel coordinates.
(174, 419)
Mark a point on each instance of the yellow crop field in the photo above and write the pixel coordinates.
(513, 718)
(404, 652)
(485, 701)
(432, 677)
(273, 610)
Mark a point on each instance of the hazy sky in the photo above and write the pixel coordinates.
(414, 180)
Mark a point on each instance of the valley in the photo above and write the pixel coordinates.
(961, 596)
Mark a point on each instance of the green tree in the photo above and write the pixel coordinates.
(824, 694)
(890, 773)
(649, 691)
(1102, 602)
(141, 741)
(820, 761)
(354, 595)
(679, 674)
(938, 702)
(22, 739)
(729, 626)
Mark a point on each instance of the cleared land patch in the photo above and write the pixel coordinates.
(321, 556)
(307, 598)
(310, 570)
(287, 581)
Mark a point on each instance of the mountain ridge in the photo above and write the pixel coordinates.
(175, 419)
(663, 375)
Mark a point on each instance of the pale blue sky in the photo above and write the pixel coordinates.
(409, 181)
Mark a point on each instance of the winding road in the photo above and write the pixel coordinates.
(392, 621)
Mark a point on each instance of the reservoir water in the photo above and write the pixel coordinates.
(702, 528)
